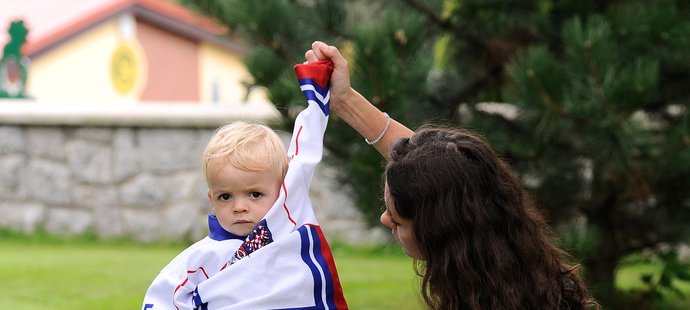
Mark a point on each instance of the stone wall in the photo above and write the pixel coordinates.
(135, 174)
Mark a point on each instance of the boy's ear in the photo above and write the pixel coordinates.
(208, 194)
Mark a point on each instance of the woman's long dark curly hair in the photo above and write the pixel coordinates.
(484, 243)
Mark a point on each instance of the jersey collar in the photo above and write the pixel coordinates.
(217, 232)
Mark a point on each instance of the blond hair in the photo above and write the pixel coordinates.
(247, 146)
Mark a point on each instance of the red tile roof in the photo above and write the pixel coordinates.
(53, 21)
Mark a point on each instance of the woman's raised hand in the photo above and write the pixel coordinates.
(340, 79)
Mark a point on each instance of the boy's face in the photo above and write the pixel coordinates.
(239, 198)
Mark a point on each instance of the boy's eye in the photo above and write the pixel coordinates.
(255, 195)
(224, 197)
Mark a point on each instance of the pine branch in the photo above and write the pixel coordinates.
(593, 70)
(436, 19)
(459, 31)
(471, 89)
(548, 102)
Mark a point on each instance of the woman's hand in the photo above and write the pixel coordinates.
(352, 107)
(340, 79)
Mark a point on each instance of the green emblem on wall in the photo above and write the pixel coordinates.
(14, 67)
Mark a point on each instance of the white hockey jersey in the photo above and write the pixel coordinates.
(286, 262)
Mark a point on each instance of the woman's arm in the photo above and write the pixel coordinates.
(352, 107)
(370, 122)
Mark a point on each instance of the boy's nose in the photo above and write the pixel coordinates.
(239, 206)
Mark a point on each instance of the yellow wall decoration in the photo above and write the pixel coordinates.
(123, 68)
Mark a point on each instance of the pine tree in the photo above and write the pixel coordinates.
(588, 100)
(607, 109)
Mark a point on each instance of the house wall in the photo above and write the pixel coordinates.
(221, 76)
(79, 68)
(166, 67)
(173, 65)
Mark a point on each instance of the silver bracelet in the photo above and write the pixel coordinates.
(388, 123)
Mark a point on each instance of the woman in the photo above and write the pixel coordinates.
(456, 208)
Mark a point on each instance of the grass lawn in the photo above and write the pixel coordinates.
(54, 274)
(377, 279)
(48, 273)
(77, 276)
